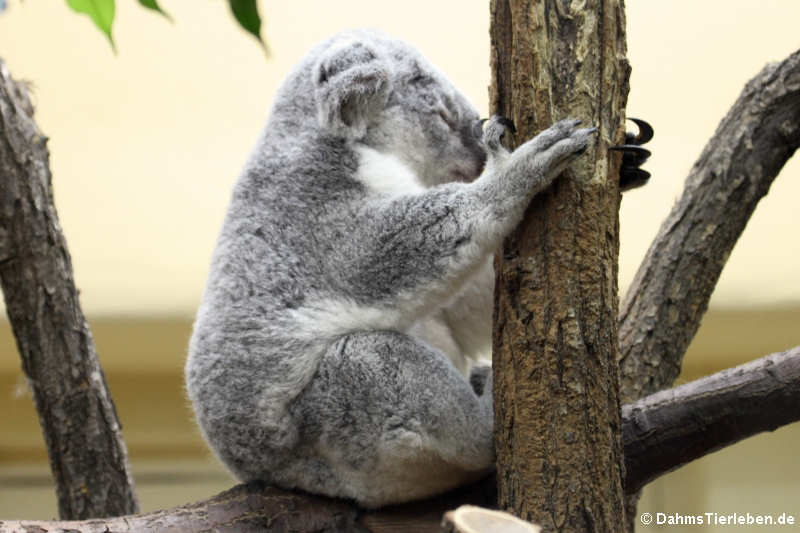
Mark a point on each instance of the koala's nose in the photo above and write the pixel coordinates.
(471, 152)
(471, 135)
(477, 128)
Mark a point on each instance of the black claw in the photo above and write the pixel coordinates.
(630, 178)
(632, 148)
(508, 123)
(633, 155)
(645, 132)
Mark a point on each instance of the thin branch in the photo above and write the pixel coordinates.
(663, 307)
(84, 441)
(668, 429)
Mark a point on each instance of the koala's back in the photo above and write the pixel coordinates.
(281, 255)
(251, 349)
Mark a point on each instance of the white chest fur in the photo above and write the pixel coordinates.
(385, 173)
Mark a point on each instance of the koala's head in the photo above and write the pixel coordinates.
(378, 91)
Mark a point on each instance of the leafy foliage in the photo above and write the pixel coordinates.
(246, 14)
(153, 4)
(102, 14)
(100, 11)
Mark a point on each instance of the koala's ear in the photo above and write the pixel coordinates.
(352, 82)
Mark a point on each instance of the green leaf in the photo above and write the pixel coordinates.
(153, 4)
(246, 13)
(100, 11)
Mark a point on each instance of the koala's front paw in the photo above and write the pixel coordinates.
(551, 151)
(493, 131)
(573, 145)
(559, 131)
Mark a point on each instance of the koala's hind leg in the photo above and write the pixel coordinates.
(393, 420)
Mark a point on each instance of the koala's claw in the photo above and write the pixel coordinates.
(585, 133)
(507, 122)
(568, 123)
(494, 129)
(645, 132)
(582, 136)
(633, 156)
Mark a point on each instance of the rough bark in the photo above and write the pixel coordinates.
(256, 507)
(557, 426)
(671, 428)
(665, 304)
(87, 454)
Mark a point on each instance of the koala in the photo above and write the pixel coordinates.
(350, 291)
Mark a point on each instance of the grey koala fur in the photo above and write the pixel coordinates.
(351, 285)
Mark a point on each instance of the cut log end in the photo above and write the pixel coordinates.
(472, 519)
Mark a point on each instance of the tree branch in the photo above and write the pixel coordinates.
(84, 441)
(258, 507)
(663, 307)
(670, 428)
(660, 433)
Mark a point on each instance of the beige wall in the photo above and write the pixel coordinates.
(145, 144)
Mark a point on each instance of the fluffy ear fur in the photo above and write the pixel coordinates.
(351, 86)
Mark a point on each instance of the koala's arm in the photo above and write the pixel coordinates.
(410, 253)
(427, 245)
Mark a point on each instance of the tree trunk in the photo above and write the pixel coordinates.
(557, 419)
(84, 441)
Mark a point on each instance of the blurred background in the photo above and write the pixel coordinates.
(145, 146)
